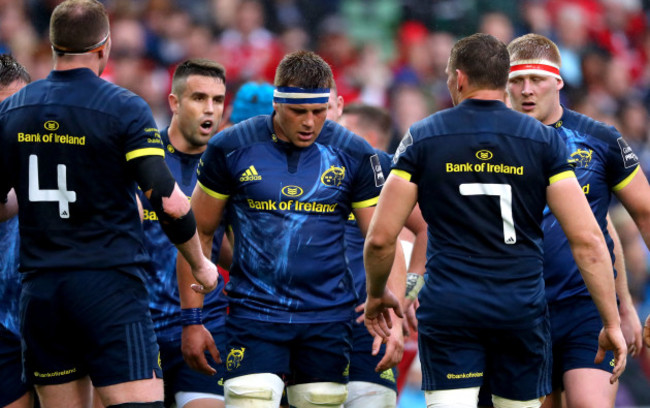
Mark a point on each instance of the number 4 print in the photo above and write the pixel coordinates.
(60, 195)
(504, 191)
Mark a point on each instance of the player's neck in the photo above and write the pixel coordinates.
(555, 115)
(68, 62)
(485, 94)
(179, 142)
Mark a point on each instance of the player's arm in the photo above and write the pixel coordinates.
(646, 332)
(174, 213)
(196, 338)
(396, 284)
(569, 205)
(225, 252)
(9, 208)
(396, 201)
(417, 265)
(630, 322)
(635, 197)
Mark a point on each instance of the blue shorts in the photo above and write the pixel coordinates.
(180, 377)
(87, 323)
(519, 361)
(298, 352)
(363, 363)
(11, 385)
(575, 325)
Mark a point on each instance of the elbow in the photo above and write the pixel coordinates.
(378, 244)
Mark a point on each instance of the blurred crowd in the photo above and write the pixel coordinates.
(389, 53)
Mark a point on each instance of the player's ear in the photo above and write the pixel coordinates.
(560, 84)
(173, 102)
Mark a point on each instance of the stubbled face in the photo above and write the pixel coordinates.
(199, 108)
(536, 95)
(301, 124)
(11, 89)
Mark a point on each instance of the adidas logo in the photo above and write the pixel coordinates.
(250, 175)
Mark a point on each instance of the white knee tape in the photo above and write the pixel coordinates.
(363, 394)
(457, 398)
(500, 402)
(253, 391)
(317, 395)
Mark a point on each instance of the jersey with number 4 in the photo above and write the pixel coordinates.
(66, 142)
(288, 208)
(482, 171)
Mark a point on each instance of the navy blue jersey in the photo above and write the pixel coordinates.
(161, 275)
(354, 240)
(9, 276)
(66, 142)
(289, 208)
(482, 172)
(604, 162)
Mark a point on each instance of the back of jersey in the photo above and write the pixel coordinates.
(482, 172)
(66, 143)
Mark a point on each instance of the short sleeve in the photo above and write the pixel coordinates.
(213, 173)
(141, 132)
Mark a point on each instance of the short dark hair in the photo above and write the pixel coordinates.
(371, 116)
(534, 46)
(304, 69)
(77, 26)
(11, 70)
(483, 58)
(196, 66)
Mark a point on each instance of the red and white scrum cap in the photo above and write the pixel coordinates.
(534, 67)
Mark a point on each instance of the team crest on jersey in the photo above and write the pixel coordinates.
(51, 125)
(407, 141)
(292, 191)
(170, 148)
(250, 175)
(234, 359)
(333, 176)
(484, 155)
(629, 158)
(376, 170)
(582, 157)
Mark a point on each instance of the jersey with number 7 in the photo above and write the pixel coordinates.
(482, 172)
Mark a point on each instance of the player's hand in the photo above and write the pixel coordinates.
(410, 323)
(207, 276)
(359, 309)
(394, 348)
(632, 331)
(611, 338)
(196, 339)
(377, 316)
(646, 332)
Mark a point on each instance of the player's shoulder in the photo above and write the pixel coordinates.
(341, 138)
(257, 129)
(587, 125)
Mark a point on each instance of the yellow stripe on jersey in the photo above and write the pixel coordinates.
(147, 151)
(213, 193)
(627, 180)
(401, 173)
(561, 176)
(366, 203)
